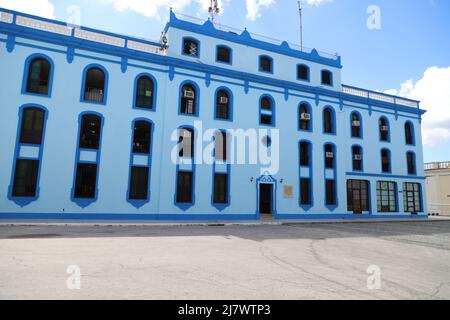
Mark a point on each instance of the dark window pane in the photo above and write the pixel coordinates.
(25, 178)
(329, 156)
(357, 196)
(94, 88)
(184, 187)
(220, 188)
(223, 54)
(411, 163)
(265, 64)
(327, 121)
(386, 196)
(190, 47)
(144, 94)
(304, 154)
(385, 161)
(139, 183)
(90, 131)
(330, 192)
(32, 126)
(326, 77)
(141, 137)
(38, 76)
(412, 197)
(222, 105)
(305, 191)
(266, 119)
(86, 181)
(303, 72)
(305, 118)
(384, 130)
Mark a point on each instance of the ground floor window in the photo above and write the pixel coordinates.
(305, 191)
(412, 199)
(139, 183)
(86, 181)
(25, 178)
(358, 196)
(220, 188)
(386, 196)
(184, 187)
(330, 186)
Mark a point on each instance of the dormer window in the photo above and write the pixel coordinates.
(223, 54)
(191, 47)
(327, 78)
(265, 64)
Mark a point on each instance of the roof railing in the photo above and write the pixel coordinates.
(78, 32)
(437, 165)
(379, 96)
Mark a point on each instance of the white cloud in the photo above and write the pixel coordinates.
(434, 93)
(43, 8)
(316, 3)
(254, 8)
(151, 8)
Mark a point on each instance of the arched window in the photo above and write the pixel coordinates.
(329, 156)
(266, 111)
(328, 121)
(302, 72)
(385, 161)
(144, 92)
(304, 117)
(94, 85)
(357, 158)
(141, 137)
(222, 105)
(409, 133)
(38, 79)
(265, 64)
(384, 129)
(186, 143)
(327, 78)
(356, 125)
(191, 47)
(305, 154)
(223, 54)
(188, 100)
(90, 131)
(411, 162)
(32, 125)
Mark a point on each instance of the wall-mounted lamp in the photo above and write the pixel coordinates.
(251, 179)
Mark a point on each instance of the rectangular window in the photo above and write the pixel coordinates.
(330, 192)
(184, 187)
(305, 191)
(386, 196)
(220, 188)
(25, 178)
(302, 72)
(86, 181)
(412, 199)
(265, 64)
(358, 196)
(139, 183)
(220, 145)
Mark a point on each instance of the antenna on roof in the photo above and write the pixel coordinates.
(214, 10)
(301, 24)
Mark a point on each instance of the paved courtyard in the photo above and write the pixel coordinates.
(328, 261)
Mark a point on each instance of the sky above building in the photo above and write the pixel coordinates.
(395, 46)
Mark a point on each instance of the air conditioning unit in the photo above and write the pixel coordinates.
(384, 128)
(357, 157)
(356, 123)
(223, 100)
(189, 94)
(305, 116)
(329, 155)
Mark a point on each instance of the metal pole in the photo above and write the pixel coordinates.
(301, 25)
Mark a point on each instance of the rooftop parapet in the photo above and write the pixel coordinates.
(79, 33)
(437, 166)
(244, 37)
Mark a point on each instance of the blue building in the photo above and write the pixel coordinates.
(205, 124)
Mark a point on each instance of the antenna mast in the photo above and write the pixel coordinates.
(301, 24)
(214, 10)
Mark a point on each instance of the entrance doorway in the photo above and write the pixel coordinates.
(358, 196)
(265, 198)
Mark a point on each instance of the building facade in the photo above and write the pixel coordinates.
(438, 186)
(99, 126)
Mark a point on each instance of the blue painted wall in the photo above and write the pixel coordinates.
(169, 71)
